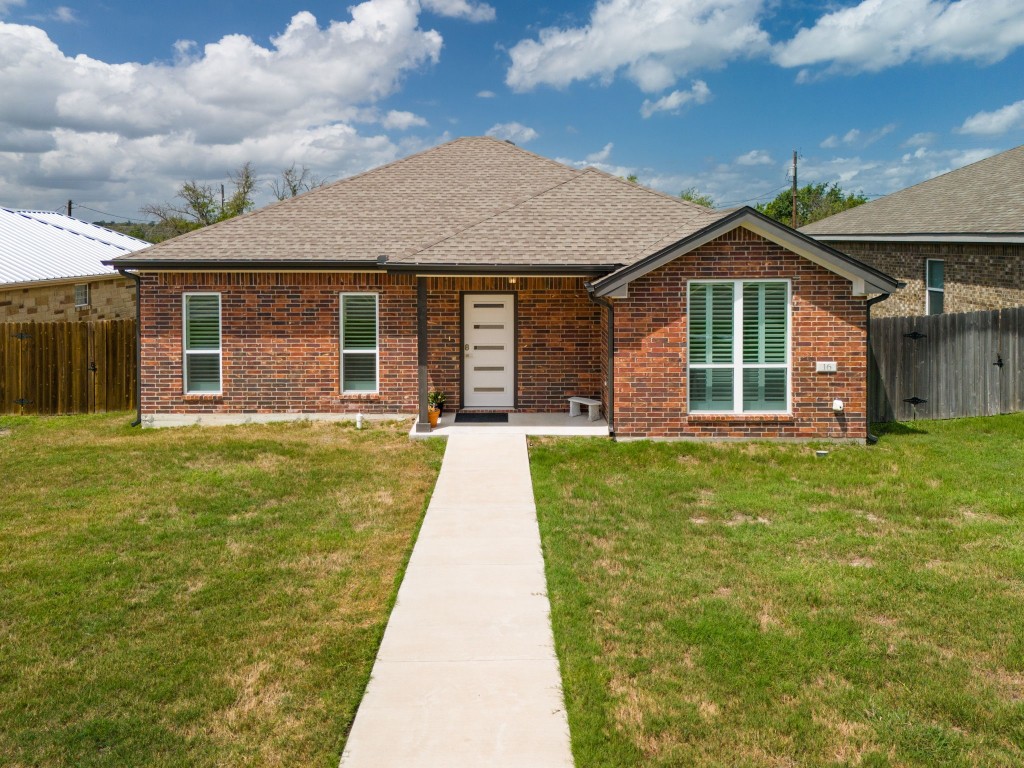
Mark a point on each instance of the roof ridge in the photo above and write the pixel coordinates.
(856, 213)
(950, 172)
(548, 160)
(657, 193)
(516, 204)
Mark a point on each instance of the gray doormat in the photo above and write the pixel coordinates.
(464, 417)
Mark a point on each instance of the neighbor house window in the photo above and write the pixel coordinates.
(935, 286)
(739, 346)
(82, 295)
(359, 350)
(202, 340)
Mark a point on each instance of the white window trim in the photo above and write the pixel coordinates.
(185, 352)
(341, 343)
(88, 295)
(738, 365)
(929, 291)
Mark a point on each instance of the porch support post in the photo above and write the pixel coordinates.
(422, 422)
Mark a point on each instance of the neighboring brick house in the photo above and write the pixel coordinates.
(510, 282)
(957, 240)
(51, 268)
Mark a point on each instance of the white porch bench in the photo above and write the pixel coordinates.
(593, 407)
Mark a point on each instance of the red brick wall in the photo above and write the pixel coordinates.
(280, 343)
(828, 323)
(281, 351)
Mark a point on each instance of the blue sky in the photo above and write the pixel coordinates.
(114, 103)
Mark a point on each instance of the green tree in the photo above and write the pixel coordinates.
(813, 202)
(201, 204)
(699, 198)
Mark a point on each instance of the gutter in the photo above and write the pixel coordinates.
(603, 302)
(138, 343)
(378, 265)
(872, 439)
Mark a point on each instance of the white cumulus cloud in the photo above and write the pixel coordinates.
(601, 155)
(461, 9)
(514, 132)
(485, 94)
(996, 122)
(402, 121)
(877, 34)
(755, 157)
(124, 134)
(655, 42)
(673, 102)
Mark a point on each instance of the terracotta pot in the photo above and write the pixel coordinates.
(433, 414)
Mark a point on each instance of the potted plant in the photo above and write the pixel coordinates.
(436, 399)
(435, 405)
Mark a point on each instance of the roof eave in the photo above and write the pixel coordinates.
(192, 265)
(863, 278)
(924, 237)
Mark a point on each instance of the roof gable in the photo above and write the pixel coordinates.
(863, 278)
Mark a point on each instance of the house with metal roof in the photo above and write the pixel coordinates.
(957, 240)
(52, 268)
(513, 284)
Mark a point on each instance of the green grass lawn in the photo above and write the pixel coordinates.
(196, 596)
(752, 605)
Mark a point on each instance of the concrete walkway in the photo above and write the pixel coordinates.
(467, 674)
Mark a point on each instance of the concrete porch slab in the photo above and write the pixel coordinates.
(550, 424)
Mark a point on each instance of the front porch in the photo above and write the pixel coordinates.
(537, 424)
(521, 344)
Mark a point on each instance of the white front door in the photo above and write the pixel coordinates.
(489, 350)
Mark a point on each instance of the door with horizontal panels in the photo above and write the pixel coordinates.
(489, 350)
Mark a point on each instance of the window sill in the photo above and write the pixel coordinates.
(193, 397)
(773, 418)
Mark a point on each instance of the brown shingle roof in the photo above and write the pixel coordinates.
(473, 201)
(986, 197)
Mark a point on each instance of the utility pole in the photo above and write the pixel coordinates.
(69, 208)
(794, 190)
(222, 201)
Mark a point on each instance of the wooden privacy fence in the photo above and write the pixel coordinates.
(947, 366)
(67, 367)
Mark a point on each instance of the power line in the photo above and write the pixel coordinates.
(759, 197)
(108, 213)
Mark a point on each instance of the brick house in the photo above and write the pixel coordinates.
(956, 241)
(51, 268)
(509, 282)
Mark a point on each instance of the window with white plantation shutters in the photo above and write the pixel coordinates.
(359, 351)
(202, 343)
(764, 346)
(739, 346)
(711, 346)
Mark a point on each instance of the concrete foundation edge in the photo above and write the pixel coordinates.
(156, 420)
